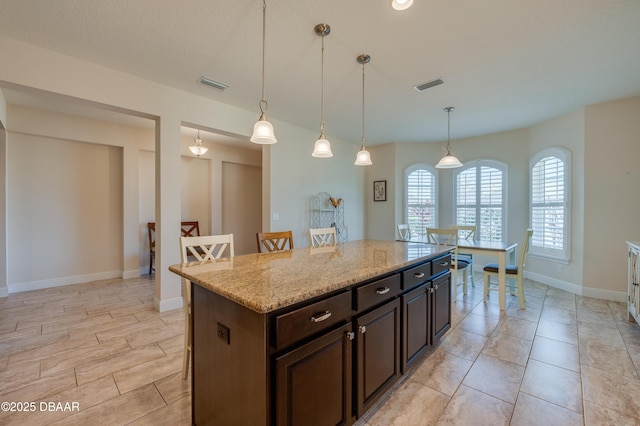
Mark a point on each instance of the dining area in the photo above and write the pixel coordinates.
(466, 248)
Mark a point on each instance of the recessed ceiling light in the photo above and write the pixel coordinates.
(213, 83)
(401, 4)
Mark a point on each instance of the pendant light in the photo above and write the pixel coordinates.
(263, 130)
(322, 148)
(363, 158)
(449, 161)
(401, 4)
(198, 149)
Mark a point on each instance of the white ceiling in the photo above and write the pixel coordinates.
(506, 64)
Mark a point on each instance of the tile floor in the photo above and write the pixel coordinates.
(564, 360)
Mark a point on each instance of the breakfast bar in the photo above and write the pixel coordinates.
(311, 335)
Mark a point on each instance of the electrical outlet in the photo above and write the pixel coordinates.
(224, 333)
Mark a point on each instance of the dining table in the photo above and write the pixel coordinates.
(504, 251)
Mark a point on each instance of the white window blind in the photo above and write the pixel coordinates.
(480, 198)
(420, 200)
(549, 205)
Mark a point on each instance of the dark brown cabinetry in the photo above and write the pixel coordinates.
(377, 353)
(426, 309)
(324, 361)
(313, 382)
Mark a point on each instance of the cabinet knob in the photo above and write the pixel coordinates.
(435, 287)
(444, 263)
(351, 335)
(362, 329)
(321, 316)
(383, 290)
(418, 275)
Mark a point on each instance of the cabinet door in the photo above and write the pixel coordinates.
(441, 306)
(415, 324)
(378, 353)
(313, 382)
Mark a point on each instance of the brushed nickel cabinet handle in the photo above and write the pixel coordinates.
(351, 335)
(362, 329)
(383, 290)
(418, 275)
(444, 264)
(321, 316)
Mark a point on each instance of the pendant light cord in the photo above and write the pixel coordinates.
(448, 131)
(322, 91)
(263, 101)
(363, 137)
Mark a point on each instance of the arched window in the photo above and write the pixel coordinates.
(420, 189)
(549, 204)
(480, 198)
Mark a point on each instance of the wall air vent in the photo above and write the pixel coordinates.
(428, 85)
(213, 83)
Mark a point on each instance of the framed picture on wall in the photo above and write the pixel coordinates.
(380, 190)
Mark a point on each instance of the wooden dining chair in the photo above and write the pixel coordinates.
(449, 237)
(202, 248)
(274, 241)
(322, 237)
(466, 232)
(404, 232)
(151, 228)
(514, 273)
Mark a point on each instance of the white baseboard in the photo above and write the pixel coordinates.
(596, 293)
(57, 282)
(4, 292)
(167, 305)
(134, 273)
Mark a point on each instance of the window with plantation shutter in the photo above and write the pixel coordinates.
(420, 198)
(549, 204)
(480, 198)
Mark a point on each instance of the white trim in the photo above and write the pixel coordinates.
(564, 155)
(168, 305)
(616, 296)
(407, 171)
(134, 273)
(4, 292)
(57, 282)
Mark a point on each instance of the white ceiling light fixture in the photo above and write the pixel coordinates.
(401, 4)
(363, 158)
(449, 161)
(263, 130)
(198, 149)
(322, 148)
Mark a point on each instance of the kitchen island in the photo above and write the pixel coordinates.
(312, 335)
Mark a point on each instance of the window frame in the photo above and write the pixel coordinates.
(478, 164)
(405, 183)
(564, 255)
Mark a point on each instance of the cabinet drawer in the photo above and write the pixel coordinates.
(308, 320)
(416, 275)
(440, 265)
(377, 292)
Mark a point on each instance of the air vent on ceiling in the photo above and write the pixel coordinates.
(213, 83)
(428, 85)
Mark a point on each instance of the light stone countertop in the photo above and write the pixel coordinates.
(268, 281)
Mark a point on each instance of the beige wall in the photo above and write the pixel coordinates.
(4, 291)
(566, 131)
(612, 195)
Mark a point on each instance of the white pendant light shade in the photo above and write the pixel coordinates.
(401, 4)
(322, 148)
(448, 162)
(263, 132)
(363, 158)
(198, 149)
